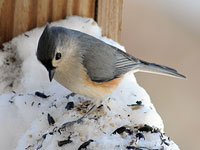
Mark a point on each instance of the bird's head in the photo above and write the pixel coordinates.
(50, 48)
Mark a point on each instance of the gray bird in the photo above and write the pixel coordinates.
(86, 65)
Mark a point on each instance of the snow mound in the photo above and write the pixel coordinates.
(32, 110)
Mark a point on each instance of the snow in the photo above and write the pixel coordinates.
(23, 112)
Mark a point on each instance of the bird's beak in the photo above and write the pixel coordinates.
(51, 73)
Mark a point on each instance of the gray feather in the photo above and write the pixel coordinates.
(47, 45)
(104, 62)
(98, 59)
(158, 69)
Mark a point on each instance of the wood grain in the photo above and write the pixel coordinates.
(109, 17)
(6, 19)
(18, 16)
(21, 16)
(44, 10)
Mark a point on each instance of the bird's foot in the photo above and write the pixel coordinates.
(68, 124)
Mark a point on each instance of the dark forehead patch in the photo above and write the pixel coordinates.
(47, 45)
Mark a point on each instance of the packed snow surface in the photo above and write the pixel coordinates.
(32, 109)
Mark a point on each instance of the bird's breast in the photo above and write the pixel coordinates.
(73, 76)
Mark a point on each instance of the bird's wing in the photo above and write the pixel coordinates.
(104, 62)
(125, 62)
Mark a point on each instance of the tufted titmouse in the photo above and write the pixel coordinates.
(86, 65)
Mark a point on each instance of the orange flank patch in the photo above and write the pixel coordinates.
(107, 86)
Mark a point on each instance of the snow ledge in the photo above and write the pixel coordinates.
(127, 120)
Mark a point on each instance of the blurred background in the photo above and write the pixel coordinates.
(168, 33)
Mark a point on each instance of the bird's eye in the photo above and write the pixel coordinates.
(58, 56)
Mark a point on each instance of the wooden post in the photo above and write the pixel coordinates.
(18, 16)
(109, 17)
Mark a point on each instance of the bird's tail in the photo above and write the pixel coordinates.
(144, 66)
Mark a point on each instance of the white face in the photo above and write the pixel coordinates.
(60, 51)
(65, 53)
